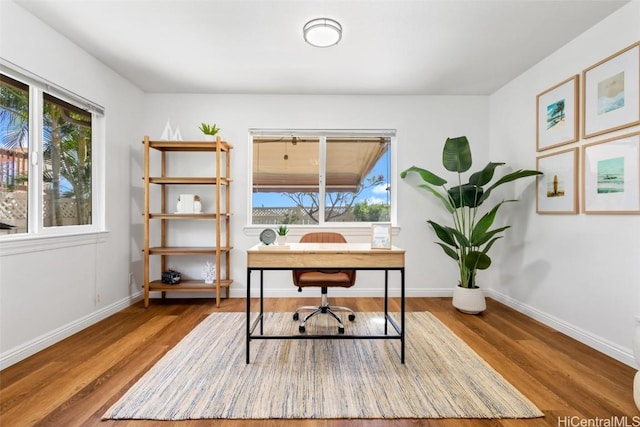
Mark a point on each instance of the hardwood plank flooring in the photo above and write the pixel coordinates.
(73, 382)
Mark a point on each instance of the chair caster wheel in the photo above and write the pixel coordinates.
(352, 317)
(301, 328)
(296, 316)
(340, 330)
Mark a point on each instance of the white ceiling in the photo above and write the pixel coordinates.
(389, 47)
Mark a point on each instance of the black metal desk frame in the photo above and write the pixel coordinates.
(259, 320)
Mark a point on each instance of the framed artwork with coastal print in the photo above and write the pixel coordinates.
(611, 175)
(611, 93)
(557, 115)
(557, 189)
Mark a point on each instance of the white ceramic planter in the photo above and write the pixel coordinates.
(470, 301)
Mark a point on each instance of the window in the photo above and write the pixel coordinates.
(47, 173)
(321, 177)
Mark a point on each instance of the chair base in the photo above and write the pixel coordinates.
(323, 308)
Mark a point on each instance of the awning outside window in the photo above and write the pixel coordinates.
(291, 164)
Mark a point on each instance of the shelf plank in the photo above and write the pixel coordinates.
(187, 285)
(194, 180)
(186, 250)
(203, 215)
(200, 146)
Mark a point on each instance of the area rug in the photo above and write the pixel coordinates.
(205, 376)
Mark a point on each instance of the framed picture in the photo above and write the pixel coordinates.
(557, 115)
(557, 189)
(611, 175)
(610, 93)
(381, 235)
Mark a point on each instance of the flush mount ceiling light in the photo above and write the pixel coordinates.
(322, 32)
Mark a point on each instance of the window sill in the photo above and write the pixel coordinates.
(26, 244)
(347, 231)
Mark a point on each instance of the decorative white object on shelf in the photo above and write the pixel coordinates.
(186, 203)
(167, 133)
(209, 272)
(177, 136)
(197, 205)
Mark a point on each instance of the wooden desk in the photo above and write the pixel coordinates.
(357, 256)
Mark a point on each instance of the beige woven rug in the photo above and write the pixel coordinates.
(205, 375)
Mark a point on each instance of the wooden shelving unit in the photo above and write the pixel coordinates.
(215, 223)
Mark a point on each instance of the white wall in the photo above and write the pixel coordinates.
(48, 294)
(422, 123)
(577, 273)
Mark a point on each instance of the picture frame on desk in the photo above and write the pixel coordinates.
(381, 235)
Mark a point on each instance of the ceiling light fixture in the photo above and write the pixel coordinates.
(322, 32)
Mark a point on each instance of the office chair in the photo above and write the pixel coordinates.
(323, 279)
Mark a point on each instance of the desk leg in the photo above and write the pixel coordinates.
(386, 299)
(261, 302)
(402, 310)
(248, 313)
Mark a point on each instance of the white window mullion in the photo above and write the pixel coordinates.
(322, 178)
(35, 207)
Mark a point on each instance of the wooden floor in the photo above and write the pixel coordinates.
(74, 382)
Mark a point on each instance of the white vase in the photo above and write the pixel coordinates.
(281, 240)
(469, 300)
(185, 203)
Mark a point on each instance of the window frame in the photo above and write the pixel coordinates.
(39, 237)
(363, 227)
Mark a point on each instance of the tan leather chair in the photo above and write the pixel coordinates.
(324, 279)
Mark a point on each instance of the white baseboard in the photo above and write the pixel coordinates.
(624, 355)
(27, 349)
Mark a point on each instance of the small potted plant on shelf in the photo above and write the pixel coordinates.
(209, 131)
(282, 234)
(468, 239)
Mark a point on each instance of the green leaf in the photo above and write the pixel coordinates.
(465, 195)
(477, 260)
(427, 176)
(443, 233)
(453, 254)
(486, 248)
(485, 222)
(456, 155)
(488, 235)
(485, 175)
(461, 238)
(435, 192)
(508, 178)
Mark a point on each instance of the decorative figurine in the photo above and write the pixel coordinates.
(209, 272)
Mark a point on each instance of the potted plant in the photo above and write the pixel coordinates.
(209, 130)
(282, 234)
(468, 239)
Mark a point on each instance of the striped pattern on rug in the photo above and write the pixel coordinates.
(205, 375)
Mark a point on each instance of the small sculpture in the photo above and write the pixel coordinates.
(209, 272)
(171, 277)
